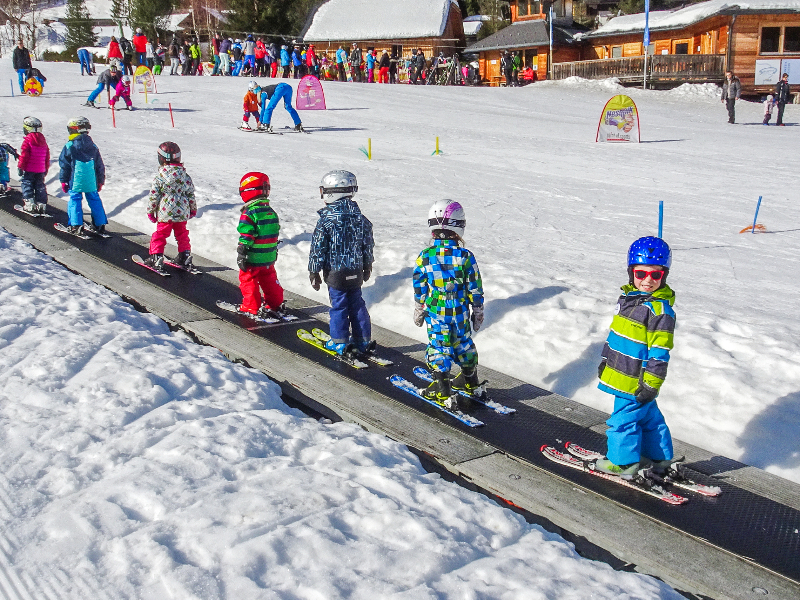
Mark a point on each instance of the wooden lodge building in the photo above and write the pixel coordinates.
(758, 39)
(398, 26)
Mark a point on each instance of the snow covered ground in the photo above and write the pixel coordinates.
(137, 464)
(550, 216)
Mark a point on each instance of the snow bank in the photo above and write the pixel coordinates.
(137, 464)
(378, 20)
(697, 92)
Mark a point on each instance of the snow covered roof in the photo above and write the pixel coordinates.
(473, 24)
(689, 15)
(523, 34)
(98, 9)
(378, 20)
(175, 20)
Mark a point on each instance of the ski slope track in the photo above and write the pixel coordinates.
(742, 540)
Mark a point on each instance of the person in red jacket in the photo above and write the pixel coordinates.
(114, 53)
(260, 53)
(140, 45)
(311, 61)
(33, 164)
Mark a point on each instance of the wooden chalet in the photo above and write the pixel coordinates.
(431, 25)
(757, 39)
(529, 34)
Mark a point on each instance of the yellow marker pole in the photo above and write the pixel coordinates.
(437, 144)
(369, 148)
(145, 94)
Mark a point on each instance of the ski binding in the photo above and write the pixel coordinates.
(346, 358)
(369, 355)
(407, 386)
(140, 261)
(63, 228)
(21, 209)
(425, 375)
(235, 309)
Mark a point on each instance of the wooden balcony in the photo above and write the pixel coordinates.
(679, 68)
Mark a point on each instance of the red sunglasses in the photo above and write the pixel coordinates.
(642, 274)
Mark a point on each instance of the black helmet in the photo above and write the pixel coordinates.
(169, 152)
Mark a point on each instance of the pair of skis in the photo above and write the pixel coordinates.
(270, 317)
(358, 360)
(87, 232)
(140, 261)
(645, 481)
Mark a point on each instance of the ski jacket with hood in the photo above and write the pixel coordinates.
(21, 59)
(34, 155)
(82, 167)
(114, 50)
(638, 345)
(284, 57)
(172, 195)
(342, 245)
(258, 232)
(447, 280)
(139, 42)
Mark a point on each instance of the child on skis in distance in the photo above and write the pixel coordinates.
(123, 90)
(634, 363)
(258, 249)
(170, 206)
(34, 163)
(342, 249)
(82, 172)
(250, 106)
(769, 104)
(448, 293)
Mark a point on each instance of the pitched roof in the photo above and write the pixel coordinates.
(523, 34)
(689, 15)
(377, 20)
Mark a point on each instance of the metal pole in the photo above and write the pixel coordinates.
(551, 41)
(660, 218)
(646, 42)
(755, 219)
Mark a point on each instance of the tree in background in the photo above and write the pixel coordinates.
(80, 32)
(499, 16)
(280, 17)
(120, 13)
(150, 15)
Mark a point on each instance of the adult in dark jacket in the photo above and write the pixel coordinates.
(22, 62)
(419, 66)
(393, 60)
(782, 96)
(127, 55)
(731, 90)
(108, 79)
(355, 62)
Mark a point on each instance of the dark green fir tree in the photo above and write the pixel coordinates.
(80, 31)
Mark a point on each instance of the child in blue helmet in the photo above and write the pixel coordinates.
(634, 363)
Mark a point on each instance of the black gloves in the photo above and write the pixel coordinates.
(645, 393)
(241, 257)
(600, 368)
(367, 272)
(315, 280)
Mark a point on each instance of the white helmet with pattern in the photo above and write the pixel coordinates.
(336, 185)
(31, 125)
(448, 215)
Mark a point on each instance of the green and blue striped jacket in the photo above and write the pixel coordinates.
(638, 345)
(258, 231)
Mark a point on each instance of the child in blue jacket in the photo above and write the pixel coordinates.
(82, 173)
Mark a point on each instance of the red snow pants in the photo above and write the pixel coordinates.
(163, 230)
(256, 280)
(383, 75)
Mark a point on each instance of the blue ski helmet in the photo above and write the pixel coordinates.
(650, 251)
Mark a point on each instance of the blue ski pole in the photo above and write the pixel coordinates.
(11, 81)
(758, 206)
(660, 218)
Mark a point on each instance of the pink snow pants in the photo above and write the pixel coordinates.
(163, 230)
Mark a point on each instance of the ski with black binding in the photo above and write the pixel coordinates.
(89, 228)
(257, 318)
(369, 355)
(425, 375)
(64, 229)
(176, 265)
(346, 357)
(638, 482)
(21, 209)
(408, 387)
(675, 475)
(140, 261)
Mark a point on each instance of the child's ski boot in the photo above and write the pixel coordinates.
(468, 381)
(622, 471)
(155, 262)
(299, 127)
(440, 391)
(184, 259)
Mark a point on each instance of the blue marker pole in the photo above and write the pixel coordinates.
(660, 218)
(758, 206)
(11, 81)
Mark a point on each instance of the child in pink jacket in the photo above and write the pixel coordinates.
(123, 90)
(34, 162)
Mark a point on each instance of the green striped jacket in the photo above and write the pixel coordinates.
(258, 232)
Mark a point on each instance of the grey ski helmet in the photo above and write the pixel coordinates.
(336, 185)
(31, 125)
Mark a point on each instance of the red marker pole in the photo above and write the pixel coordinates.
(170, 114)
(113, 117)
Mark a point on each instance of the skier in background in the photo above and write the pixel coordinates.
(170, 205)
(634, 363)
(276, 93)
(82, 173)
(21, 59)
(107, 79)
(448, 295)
(342, 250)
(139, 42)
(731, 90)
(123, 90)
(250, 106)
(33, 165)
(258, 249)
(85, 58)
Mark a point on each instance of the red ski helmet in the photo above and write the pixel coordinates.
(169, 152)
(254, 185)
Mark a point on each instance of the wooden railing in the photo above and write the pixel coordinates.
(665, 67)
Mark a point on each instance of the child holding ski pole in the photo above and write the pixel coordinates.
(448, 294)
(634, 363)
(170, 206)
(342, 250)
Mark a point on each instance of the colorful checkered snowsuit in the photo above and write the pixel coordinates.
(447, 281)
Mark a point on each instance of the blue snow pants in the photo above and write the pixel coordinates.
(75, 208)
(237, 68)
(349, 314)
(32, 185)
(450, 340)
(21, 73)
(86, 63)
(284, 90)
(637, 430)
(93, 96)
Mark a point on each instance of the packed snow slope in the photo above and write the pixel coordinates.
(139, 465)
(550, 217)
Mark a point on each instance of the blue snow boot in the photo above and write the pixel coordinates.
(340, 348)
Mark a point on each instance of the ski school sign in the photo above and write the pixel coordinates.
(309, 94)
(619, 121)
(144, 77)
